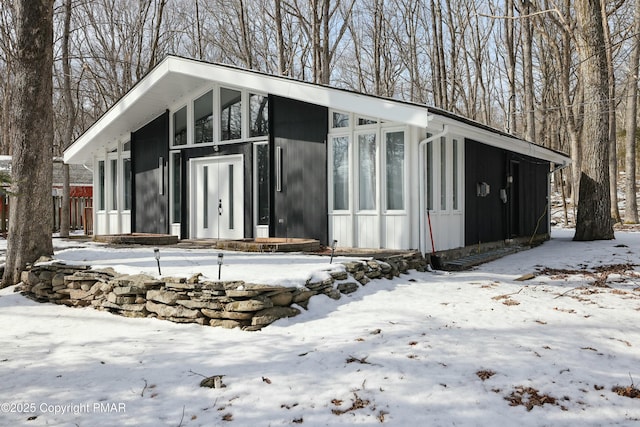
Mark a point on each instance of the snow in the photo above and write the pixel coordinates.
(397, 352)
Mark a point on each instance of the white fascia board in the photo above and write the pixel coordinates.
(301, 91)
(79, 150)
(113, 124)
(509, 143)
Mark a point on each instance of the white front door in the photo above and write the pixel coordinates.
(217, 197)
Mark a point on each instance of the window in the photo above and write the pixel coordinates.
(101, 185)
(340, 149)
(455, 174)
(258, 115)
(395, 170)
(176, 187)
(126, 171)
(113, 172)
(180, 127)
(339, 120)
(203, 118)
(363, 121)
(262, 183)
(230, 114)
(443, 174)
(367, 173)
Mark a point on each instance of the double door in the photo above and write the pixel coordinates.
(218, 197)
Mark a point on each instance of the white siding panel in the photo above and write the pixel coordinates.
(114, 222)
(100, 226)
(262, 231)
(368, 231)
(125, 223)
(341, 229)
(448, 231)
(396, 232)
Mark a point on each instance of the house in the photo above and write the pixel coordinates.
(203, 150)
(80, 195)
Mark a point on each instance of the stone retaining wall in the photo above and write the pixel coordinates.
(229, 304)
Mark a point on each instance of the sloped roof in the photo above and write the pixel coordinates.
(167, 83)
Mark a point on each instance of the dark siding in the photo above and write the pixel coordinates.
(150, 208)
(300, 209)
(488, 219)
(221, 150)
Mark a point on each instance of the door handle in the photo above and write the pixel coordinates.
(219, 207)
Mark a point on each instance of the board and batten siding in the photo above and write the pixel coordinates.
(298, 163)
(150, 177)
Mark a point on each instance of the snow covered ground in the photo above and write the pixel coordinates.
(425, 349)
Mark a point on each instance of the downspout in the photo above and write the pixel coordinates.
(421, 184)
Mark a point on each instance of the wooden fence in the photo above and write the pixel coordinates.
(80, 211)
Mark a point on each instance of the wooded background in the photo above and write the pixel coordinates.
(519, 66)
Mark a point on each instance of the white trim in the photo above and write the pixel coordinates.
(233, 158)
(166, 84)
(495, 139)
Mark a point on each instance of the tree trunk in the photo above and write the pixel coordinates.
(527, 58)
(613, 158)
(511, 67)
(31, 212)
(594, 205)
(282, 67)
(71, 119)
(631, 209)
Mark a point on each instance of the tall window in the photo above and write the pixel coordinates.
(443, 174)
(395, 170)
(230, 114)
(455, 175)
(180, 127)
(262, 183)
(113, 172)
(101, 186)
(176, 189)
(367, 173)
(203, 118)
(126, 172)
(340, 148)
(258, 115)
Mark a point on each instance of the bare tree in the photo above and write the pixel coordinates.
(71, 118)
(525, 8)
(509, 41)
(30, 217)
(613, 165)
(631, 209)
(594, 204)
(7, 50)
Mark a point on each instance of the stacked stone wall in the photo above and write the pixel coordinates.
(228, 304)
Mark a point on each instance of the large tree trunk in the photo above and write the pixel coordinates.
(31, 213)
(71, 119)
(594, 205)
(631, 209)
(613, 157)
